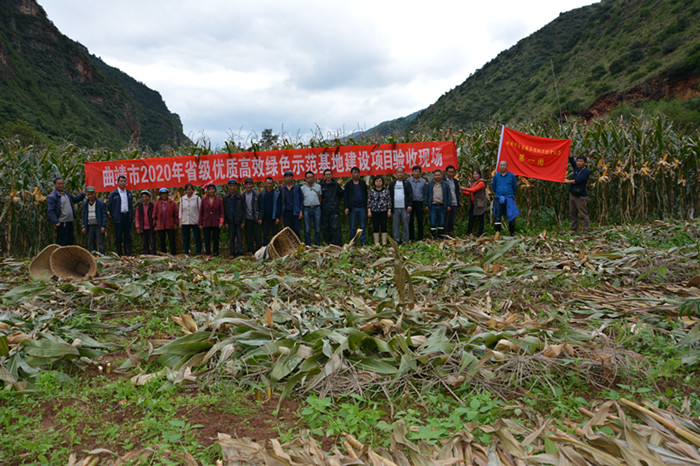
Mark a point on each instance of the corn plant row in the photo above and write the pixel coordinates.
(641, 169)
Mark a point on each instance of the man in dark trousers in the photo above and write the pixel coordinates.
(251, 217)
(62, 213)
(94, 221)
(267, 208)
(437, 203)
(234, 211)
(416, 221)
(451, 215)
(578, 195)
(120, 207)
(291, 204)
(356, 204)
(332, 193)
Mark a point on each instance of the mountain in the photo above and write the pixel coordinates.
(585, 62)
(52, 89)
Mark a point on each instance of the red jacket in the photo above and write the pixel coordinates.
(144, 216)
(211, 214)
(170, 221)
(476, 186)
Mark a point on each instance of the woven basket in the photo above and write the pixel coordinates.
(40, 267)
(73, 262)
(283, 243)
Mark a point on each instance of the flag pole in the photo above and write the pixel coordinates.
(500, 145)
(556, 89)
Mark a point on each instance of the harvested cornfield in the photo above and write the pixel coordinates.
(540, 349)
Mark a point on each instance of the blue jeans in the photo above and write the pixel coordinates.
(500, 212)
(312, 215)
(436, 218)
(357, 218)
(292, 221)
(194, 229)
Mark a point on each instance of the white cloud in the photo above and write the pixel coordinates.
(233, 67)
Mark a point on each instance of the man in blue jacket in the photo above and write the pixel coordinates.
(290, 204)
(94, 221)
(578, 195)
(438, 201)
(61, 212)
(267, 207)
(120, 207)
(504, 185)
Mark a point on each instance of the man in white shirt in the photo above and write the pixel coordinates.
(311, 192)
(401, 193)
(120, 207)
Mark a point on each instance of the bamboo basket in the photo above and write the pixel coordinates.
(283, 243)
(73, 262)
(40, 267)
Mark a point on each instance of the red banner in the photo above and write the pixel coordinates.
(170, 172)
(534, 156)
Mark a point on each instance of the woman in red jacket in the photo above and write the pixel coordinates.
(165, 217)
(211, 219)
(144, 223)
(477, 207)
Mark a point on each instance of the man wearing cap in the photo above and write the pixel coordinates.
(267, 208)
(121, 208)
(291, 203)
(94, 221)
(252, 214)
(332, 194)
(234, 211)
(144, 223)
(165, 217)
(356, 204)
(312, 208)
(61, 212)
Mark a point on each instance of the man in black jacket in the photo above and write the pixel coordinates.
(578, 195)
(120, 206)
(401, 205)
(356, 204)
(331, 195)
(234, 212)
(62, 213)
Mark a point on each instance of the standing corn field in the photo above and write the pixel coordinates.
(641, 169)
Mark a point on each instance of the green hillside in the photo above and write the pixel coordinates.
(603, 55)
(53, 89)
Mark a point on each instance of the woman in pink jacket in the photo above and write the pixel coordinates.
(211, 220)
(165, 218)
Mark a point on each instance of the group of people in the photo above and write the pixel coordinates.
(257, 215)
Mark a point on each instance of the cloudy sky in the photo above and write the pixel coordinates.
(232, 68)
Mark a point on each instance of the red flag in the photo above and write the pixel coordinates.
(534, 156)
